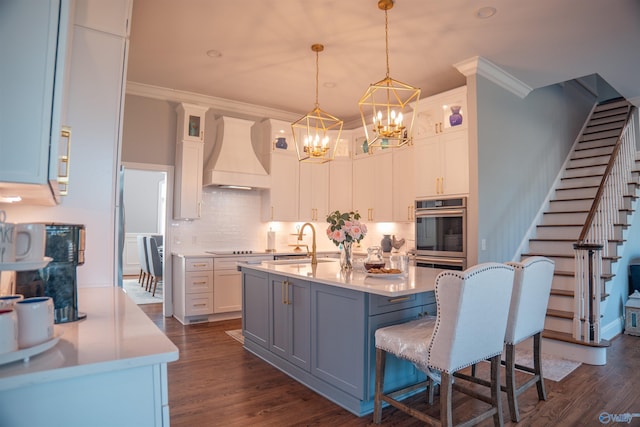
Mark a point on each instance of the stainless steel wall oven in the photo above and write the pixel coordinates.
(441, 233)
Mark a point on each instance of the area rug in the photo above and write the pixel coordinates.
(139, 295)
(236, 334)
(554, 368)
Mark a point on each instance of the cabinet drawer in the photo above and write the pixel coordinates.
(428, 297)
(196, 304)
(384, 304)
(198, 281)
(198, 264)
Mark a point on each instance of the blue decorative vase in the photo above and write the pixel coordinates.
(281, 143)
(455, 119)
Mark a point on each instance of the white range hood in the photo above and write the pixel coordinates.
(233, 161)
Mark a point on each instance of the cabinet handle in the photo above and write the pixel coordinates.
(199, 265)
(201, 135)
(63, 166)
(200, 283)
(400, 299)
(200, 305)
(285, 292)
(271, 213)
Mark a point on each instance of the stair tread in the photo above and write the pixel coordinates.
(562, 292)
(563, 336)
(560, 313)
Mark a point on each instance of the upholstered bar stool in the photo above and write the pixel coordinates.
(527, 312)
(473, 307)
(155, 265)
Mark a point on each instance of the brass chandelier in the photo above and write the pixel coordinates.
(316, 134)
(386, 119)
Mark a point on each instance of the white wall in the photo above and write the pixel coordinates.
(142, 201)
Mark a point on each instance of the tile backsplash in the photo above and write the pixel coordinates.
(231, 220)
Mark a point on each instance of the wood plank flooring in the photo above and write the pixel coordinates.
(218, 383)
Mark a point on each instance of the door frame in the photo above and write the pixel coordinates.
(167, 292)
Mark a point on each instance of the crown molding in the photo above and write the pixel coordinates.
(487, 69)
(225, 105)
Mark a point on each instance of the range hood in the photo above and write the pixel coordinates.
(233, 161)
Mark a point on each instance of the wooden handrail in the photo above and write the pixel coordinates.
(605, 176)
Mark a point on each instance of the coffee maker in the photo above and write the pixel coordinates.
(65, 245)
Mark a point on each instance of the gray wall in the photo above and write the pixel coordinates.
(521, 147)
(149, 131)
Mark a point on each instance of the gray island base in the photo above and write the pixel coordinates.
(317, 324)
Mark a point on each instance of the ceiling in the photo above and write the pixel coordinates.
(266, 56)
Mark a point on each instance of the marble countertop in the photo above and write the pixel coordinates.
(115, 335)
(418, 279)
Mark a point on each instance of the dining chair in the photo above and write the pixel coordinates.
(143, 260)
(155, 265)
(470, 325)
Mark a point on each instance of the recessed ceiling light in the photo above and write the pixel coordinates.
(214, 53)
(486, 12)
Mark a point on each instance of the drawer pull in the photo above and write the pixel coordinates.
(399, 299)
(200, 305)
(199, 283)
(199, 265)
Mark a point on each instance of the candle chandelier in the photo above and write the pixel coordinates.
(386, 119)
(317, 133)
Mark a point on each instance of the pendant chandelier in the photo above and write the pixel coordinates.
(382, 107)
(317, 133)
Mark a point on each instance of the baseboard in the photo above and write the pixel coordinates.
(612, 329)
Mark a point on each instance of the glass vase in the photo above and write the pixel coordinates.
(346, 257)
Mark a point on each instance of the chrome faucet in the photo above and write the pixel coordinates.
(314, 260)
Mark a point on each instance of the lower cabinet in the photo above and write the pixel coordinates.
(193, 288)
(290, 323)
(255, 298)
(323, 335)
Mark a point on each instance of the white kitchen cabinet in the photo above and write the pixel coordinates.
(193, 288)
(227, 283)
(314, 191)
(280, 202)
(403, 184)
(340, 185)
(442, 165)
(441, 113)
(372, 187)
(189, 161)
(35, 56)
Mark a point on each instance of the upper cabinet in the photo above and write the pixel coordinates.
(189, 161)
(281, 201)
(403, 184)
(190, 125)
(441, 113)
(372, 187)
(441, 144)
(340, 185)
(33, 142)
(314, 191)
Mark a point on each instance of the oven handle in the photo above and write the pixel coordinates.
(439, 212)
(440, 260)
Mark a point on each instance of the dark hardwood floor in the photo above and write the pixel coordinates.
(216, 382)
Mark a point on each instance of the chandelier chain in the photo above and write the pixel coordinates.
(317, 76)
(386, 38)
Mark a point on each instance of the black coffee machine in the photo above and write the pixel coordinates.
(65, 245)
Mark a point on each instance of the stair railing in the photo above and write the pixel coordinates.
(593, 244)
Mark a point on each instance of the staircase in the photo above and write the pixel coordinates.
(572, 214)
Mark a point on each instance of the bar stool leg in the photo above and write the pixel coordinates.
(381, 356)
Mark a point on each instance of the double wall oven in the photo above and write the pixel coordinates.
(441, 233)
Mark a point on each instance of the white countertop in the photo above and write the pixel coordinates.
(418, 279)
(115, 335)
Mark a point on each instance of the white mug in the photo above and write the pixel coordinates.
(8, 331)
(9, 301)
(35, 321)
(10, 250)
(30, 241)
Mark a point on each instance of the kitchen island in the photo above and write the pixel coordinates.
(109, 369)
(317, 324)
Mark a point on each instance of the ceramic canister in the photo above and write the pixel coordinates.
(8, 331)
(35, 321)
